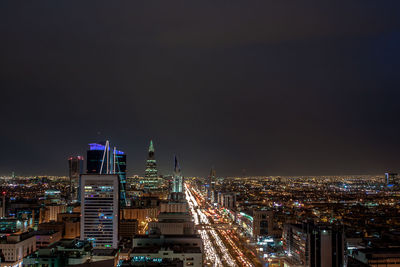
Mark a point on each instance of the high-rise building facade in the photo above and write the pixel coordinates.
(391, 179)
(101, 159)
(312, 245)
(227, 200)
(75, 170)
(211, 196)
(151, 180)
(94, 158)
(100, 209)
(177, 182)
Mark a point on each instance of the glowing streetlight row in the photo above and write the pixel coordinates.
(210, 251)
(224, 251)
(243, 260)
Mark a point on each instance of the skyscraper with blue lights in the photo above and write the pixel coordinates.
(391, 179)
(101, 159)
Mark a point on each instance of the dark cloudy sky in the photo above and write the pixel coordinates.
(273, 87)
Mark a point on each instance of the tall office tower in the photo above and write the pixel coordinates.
(97, 160)
(391, 178)
(151, 180)
(119, 167)
(101, 159)
(312, 245)
(227, 200)
(177, 183)
(100, 209)
(211, 186)
(75, 170)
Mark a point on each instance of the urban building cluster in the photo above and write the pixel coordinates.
(101, 216)
(300, 221)
(98, 217)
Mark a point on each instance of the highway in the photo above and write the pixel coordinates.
(219, 247)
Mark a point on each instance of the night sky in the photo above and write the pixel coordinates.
(272, 87)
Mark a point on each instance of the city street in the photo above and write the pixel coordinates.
(218, 236)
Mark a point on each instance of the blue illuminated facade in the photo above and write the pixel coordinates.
(391, 179)
(101, 159)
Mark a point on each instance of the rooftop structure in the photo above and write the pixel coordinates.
(101, 159)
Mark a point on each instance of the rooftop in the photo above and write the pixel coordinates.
(166, 247)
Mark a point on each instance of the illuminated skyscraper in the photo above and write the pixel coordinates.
(75, 170)
(311, 245)
(102, 160)
(391, 179)
(177, 183)
(151, 180)
(211, 186)
(100, 209)
(94, 158)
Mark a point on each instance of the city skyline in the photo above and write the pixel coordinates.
(205, 134)
(167, 170)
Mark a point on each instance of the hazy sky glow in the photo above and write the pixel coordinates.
(273, 87)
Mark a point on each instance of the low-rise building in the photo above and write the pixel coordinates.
(128, 228)
(61, 217)
(104, 257)
(72, 228)
(140, 214)
(258, 223)
(380, 257)
(189, 255)
(15, 247)
(12, 225)
(173, 223)
(55, 226)
(44, 238)
(159, 240)
(72, 224)
(61, 253)
(153, 248)
(153, 262)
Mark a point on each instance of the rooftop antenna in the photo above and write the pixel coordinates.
(114, 152)
(106, 148)
(108, 156)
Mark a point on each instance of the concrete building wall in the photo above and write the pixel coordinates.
(139, 214)
(44, 240)
(72, 229)
(189, 259)
(15, 252)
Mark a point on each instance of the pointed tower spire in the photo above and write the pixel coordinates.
(151, 147)
(151, 180)
(177, 186)
(177, 169)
